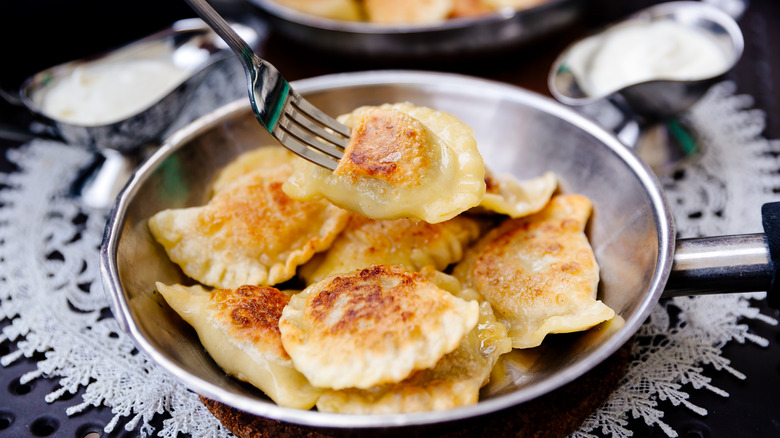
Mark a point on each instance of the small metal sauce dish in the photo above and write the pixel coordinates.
(121, 144)
(195, 48)
(651, 109)
(660, 97)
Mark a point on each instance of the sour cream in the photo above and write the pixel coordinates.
(114, 88)
(643, 51)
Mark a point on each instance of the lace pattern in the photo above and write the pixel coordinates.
(50, 287)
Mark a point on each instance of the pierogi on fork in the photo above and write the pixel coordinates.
(402, 161)
(333, 289)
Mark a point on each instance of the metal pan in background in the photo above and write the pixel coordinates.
(526, 134)
(482, 35)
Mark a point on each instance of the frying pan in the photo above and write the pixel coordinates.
(631, 231)
(447, 40)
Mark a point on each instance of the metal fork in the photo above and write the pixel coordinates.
(292, 120)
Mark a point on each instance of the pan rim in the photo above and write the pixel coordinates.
(364, 27)
(466, 84)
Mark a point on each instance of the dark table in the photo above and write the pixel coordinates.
(38, 34)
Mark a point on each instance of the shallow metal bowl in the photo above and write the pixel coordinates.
(480, 35)
(518, 131)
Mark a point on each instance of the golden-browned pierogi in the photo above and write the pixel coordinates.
(507, 195)
(267, 157)
(372, 326)
(240, 330)
(250, 232)
(337, 9)
(539, 272)
(402, 161)
(409, 242)
(379, 328)
(454, 381)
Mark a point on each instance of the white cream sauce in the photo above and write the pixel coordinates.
(642, 51)
(113, 88)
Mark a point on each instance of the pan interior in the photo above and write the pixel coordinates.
(517, 132)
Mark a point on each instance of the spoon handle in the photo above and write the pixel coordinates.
(223, 29)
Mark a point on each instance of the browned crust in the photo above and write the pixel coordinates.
(388, 145)
(491, 267)
(258, 214)
(253, 313)
(466, 8)
(375, 294)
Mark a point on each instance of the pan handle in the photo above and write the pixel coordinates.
(770, 216)
(726, 264)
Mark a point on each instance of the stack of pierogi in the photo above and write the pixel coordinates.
(394, 283)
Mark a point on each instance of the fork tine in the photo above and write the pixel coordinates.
(306, 151)
(293, 121)
(307, 127)
(304, 137)
(317, 115)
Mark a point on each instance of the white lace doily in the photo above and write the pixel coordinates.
(50, 286)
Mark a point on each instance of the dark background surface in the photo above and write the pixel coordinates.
(38, 34)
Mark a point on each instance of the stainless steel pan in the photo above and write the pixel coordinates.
(448, 40)
(631, 230)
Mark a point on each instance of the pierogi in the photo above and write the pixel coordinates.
(454, 381)
(372, 326)
(376, 324)
(407, 11)
(250, 232)
(402, 161)
(404, 11)
(240, 330)
(349, 10)
(268, 158)
(507, 195)
(409, 242)
(539, 272)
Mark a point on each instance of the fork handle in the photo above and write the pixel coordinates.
(223, 29)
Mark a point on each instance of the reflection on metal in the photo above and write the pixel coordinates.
(722, 264)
